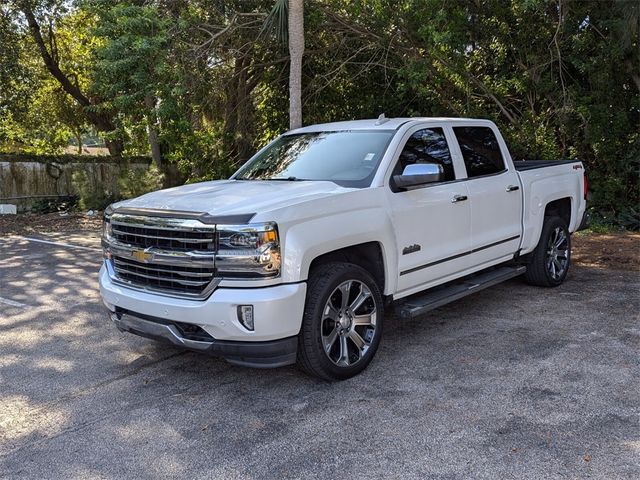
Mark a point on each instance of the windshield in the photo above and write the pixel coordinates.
(348, 158)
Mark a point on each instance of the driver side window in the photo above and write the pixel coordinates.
(428, 145)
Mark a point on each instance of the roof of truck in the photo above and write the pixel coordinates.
(377, 124)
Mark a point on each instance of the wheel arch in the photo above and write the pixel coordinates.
(368, 255)
(533, 223)
(559, 208)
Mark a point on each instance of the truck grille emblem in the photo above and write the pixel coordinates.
(142, 256)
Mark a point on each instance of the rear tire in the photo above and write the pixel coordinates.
(342, 322)
(549, 263)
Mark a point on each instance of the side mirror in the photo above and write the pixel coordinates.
(419, 174)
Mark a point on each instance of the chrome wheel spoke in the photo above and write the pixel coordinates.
(345, 290)
(560, 239)
(344, 351)
(358, 341)
(367, 319)
(330, 311)
(361, 298)
(330, 339)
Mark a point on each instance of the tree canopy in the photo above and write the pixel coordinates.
(204, 83)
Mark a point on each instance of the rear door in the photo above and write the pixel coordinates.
(495, 197)
(432, 228)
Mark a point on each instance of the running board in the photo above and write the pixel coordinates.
(433, 298)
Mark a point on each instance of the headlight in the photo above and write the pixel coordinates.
(248, 251)
(107, 231)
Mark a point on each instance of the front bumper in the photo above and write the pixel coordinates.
(274, 353)
(277, 312)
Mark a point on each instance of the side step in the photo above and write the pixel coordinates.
(433, 298)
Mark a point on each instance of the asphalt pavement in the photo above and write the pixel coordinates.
(513, 382)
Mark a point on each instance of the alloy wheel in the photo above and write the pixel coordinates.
(557, 253)
(348, 323)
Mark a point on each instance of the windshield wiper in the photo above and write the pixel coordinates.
(287, 179)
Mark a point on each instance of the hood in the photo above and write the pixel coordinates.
(229, 197)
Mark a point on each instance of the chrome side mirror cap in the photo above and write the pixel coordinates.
(419, 174)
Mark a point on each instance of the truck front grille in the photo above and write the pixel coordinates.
(172, 278)
(173, 256)
(180, 240)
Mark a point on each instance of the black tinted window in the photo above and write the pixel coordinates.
(428, 145)
(480, 150)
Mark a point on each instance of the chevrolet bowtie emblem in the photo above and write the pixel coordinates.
(142, 255)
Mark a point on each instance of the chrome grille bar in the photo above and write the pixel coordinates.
(123, 263)
(117, 231)
(122, 270)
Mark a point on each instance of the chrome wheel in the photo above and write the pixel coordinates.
(348, 323)
(557, 253)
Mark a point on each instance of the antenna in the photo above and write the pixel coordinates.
(381, 119)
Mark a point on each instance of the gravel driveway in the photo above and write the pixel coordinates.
(513, 382)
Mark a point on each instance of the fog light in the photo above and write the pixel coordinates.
(245, 316)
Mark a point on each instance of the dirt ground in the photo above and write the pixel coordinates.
(615, 250)
(33, 224)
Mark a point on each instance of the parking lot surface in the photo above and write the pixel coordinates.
(513, 382)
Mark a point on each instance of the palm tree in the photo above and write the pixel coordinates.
(296, 51)
(286, 19)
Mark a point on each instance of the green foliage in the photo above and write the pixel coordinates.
(561, 78)
(92, 196)
(36, 115)
(135, 182)
(132, 182)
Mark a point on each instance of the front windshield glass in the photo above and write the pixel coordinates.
(348, 158)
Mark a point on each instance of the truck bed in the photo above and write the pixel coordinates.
(522, 165)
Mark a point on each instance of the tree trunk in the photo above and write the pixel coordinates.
(230, 128)
(154, 143)
(296, 51)
(100, 120)
(78, 136)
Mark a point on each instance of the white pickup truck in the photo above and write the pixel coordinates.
(298, 254)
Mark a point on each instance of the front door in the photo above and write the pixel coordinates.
(432, 222)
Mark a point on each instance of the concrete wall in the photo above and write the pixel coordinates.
(26, 178)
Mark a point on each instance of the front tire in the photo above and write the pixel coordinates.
(549, 263)
(342, 322)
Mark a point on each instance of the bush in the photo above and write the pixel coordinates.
(91, 196)
(135, 182)
(51, 205)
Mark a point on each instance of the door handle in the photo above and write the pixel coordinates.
(512, 188)
(458, 198)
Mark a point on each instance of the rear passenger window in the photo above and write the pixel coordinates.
(428, 145)
(480, 150)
